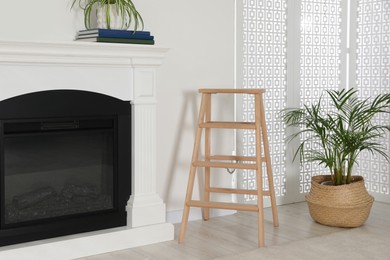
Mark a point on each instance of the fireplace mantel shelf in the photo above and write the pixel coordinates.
(81, 53)
(126, 72)
(110, 69)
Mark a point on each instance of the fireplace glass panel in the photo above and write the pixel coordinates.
(57, 173)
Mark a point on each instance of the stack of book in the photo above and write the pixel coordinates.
(115, 36)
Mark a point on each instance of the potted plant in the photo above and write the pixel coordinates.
(334, 138)
(111, 14)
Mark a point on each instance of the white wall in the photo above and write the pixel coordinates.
(201, 37)
(44, 20)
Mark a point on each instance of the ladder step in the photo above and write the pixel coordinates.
(235, 158)
(222, 205)
(228, 125)
(237, 191)
(232, 91)
(225, 165)
(233, 191)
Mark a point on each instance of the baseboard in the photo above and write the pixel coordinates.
(175, 216)
(91, 243)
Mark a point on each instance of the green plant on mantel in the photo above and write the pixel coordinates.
(125, 9)
(335, 137)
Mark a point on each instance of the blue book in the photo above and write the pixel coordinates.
(108, 33)
(117, 40)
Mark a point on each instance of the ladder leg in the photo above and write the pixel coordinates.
(206, 211)
(191, 178)
(259, 174)
(186, 210)
(268, 165)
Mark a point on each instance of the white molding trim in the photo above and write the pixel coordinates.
(175, 216)
(87, 244)
(71, 53)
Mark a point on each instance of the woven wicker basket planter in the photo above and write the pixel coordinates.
(339, 206)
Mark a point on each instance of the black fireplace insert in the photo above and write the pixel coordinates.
(65, 164)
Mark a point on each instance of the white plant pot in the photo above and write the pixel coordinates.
(115, 18)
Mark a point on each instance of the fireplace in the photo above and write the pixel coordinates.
(65, 164)
(114, 72)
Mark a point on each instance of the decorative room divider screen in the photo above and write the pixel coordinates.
(297, 48)
(372, 78)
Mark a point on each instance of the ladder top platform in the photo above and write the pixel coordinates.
(232, 91)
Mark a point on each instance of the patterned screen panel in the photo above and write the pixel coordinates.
(320, 61)
(264, 58)
(373, 78)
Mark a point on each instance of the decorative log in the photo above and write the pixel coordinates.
(74, 190)
(31, 198)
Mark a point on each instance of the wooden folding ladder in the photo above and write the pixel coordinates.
(225, 161)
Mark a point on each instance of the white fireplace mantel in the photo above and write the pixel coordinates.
(127, 72)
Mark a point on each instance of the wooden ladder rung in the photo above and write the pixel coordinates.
(232, 91)
(237, 191)
(225, 165)
(222, 205)
(228, 125)
(235, 158)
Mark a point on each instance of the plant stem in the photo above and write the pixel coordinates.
(338, 177)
